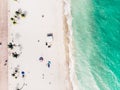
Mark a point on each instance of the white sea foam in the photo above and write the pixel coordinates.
(67, 13)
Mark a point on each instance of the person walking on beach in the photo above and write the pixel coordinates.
(48, 64)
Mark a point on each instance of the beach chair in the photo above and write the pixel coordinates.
(49, 39)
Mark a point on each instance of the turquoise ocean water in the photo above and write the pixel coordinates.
(96, 35)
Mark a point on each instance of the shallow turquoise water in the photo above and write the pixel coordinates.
(96, 33)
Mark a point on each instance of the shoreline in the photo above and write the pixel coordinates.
(66, 42)
(70, 44)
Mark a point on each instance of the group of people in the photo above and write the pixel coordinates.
(14, 53)
(17, 73)
(18, 15)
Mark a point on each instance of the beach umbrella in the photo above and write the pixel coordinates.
(41, 58)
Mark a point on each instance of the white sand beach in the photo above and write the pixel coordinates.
(3, 45)
(29, 35)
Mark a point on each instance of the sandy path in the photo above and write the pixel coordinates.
(3, 45)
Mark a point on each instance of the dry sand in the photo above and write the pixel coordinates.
(27, 32)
